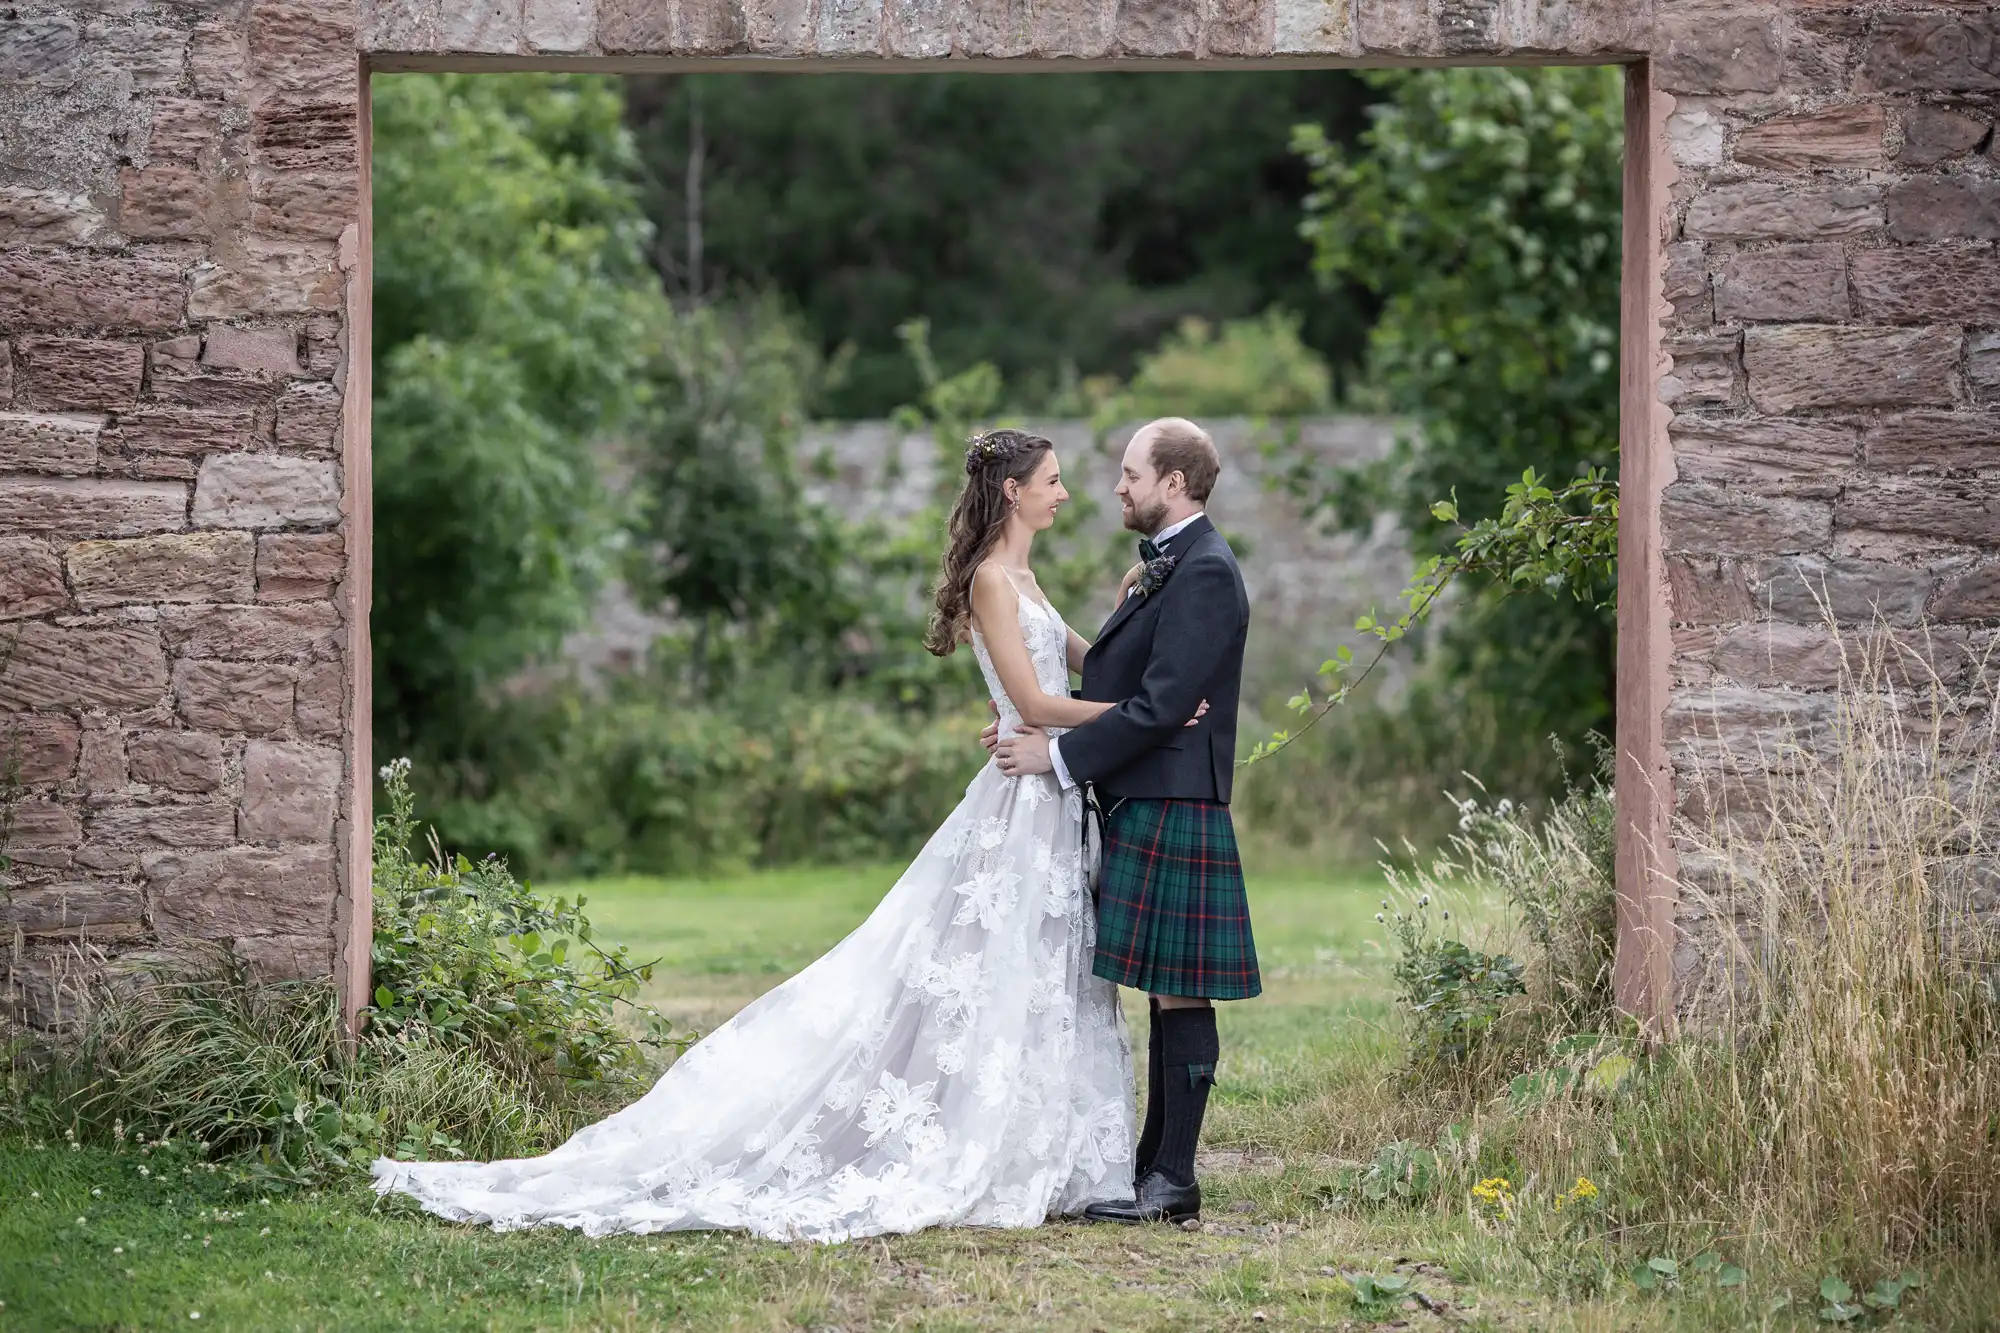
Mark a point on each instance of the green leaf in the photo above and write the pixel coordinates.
(384, 998)
(1664, 1266)
(1831, 1288)
(1729, 1275)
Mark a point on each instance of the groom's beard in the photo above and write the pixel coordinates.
(1146, 519)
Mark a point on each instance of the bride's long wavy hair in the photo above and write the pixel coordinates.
(991, 460)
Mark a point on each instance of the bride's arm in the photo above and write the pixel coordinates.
(996, 611)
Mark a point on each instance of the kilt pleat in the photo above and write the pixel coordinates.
(1172, 915)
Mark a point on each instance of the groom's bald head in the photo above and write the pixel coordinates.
(1175, 444)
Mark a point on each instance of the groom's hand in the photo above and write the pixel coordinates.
(991, 736)
(1025, 752)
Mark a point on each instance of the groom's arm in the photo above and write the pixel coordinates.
(1188, 645)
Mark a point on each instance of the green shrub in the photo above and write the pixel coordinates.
(1453, 992)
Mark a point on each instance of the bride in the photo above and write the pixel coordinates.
(951, 1062)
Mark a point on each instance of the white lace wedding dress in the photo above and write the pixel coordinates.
(951, 1062)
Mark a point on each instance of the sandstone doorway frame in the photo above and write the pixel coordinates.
(1643, 968)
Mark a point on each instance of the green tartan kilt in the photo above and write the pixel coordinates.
(1172, 916)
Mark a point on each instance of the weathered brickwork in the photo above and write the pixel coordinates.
(180, 196)
(175, 184)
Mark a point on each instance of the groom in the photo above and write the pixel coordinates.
(1172, 919)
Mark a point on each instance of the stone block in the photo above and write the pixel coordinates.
(78, 508)
(1982, 365)
(1927, 286)
(1816, 53)
(151, 54)
(219, 60)
(242, 891)
(1573, 29)
(294, 568)
(265, 491)
(1706, 372)
(1711, 520)
(490, 27)
(1707, 591)
(274, 351)
(286, 632)
(326, 346)
(929, 29)
(1973, 594)
(100, 765)
(646, 27)
(309, 419)
(46, 745)
(289, 790)
(1806, 589)
(312, 205)
(1945, 209)
(1694, 137)
(178, 761)
(1934, 134)
(253, 697)
(1886, 519)
(1241, 28)
(39, 50)
(1935, 440)
(1157, 27)
(6, 372)
(177, 383)
(322, 698)
(31, 581)
(1467, 26)
(184, 130)
(64, 445)
(1767, 210)
(62, 288)
(303, 52)
(401, 25)
(59, 666)
(1687, 284)
(66, 374)
(1775, 653)
(1793, 282)
(316, 139)
(45, 824)
(1810, 366)
(81, 908)
(1393, 29)
(149, 828)
(188, 432)
(1747, 725)
(709, 27)
(559, 25)
(1840, 137)
(178, 567)
(1761, 449)
(50, 217)
(287, 957)
(1934, 52)
(266, 277)
(167, 202)
(1705, 50)
(1314, 27)
(778, 27)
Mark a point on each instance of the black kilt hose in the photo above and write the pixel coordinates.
(1172, 917)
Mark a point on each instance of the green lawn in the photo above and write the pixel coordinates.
(99, 1240)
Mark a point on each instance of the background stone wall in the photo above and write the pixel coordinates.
(179, 195)
(179, 209)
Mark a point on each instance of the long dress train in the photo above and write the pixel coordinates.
(953, 1061)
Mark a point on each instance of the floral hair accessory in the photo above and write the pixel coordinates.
(987, 448)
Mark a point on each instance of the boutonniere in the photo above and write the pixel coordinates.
(1153, 575)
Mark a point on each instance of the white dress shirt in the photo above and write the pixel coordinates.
(1160, 538)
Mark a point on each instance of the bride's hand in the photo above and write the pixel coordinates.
(1199, 713)
(991, 736)
(1131, 577)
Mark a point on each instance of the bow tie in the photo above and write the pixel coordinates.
(1149, 550)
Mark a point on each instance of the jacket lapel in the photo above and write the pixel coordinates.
(1180, 547)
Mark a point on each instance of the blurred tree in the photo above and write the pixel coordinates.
(1482, 209)
(511, 295)
(1053, 225)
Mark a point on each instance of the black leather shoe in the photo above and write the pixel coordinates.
(1157, 1200)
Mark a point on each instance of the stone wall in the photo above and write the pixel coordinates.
(182, 267)
(179, 202)
(1834, 299)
